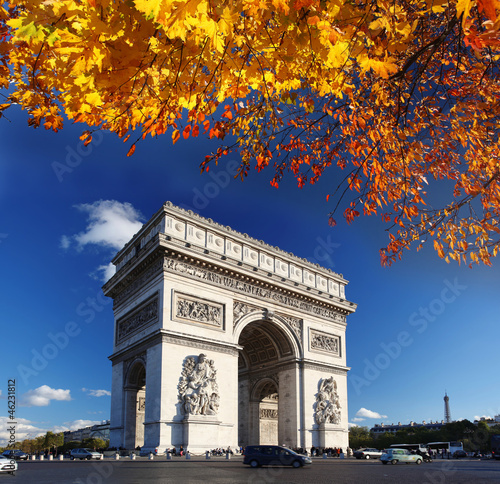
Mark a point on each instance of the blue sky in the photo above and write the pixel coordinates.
(422, 326)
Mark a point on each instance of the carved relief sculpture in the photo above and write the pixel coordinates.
(137, 320)
(198, 390)
(269, 413)
(327, 402)
(325, 342)
(191, 309)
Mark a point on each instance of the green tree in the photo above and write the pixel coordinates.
(95, 443)
(360, 437)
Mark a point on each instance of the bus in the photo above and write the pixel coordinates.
(448, 447)
(495, 446)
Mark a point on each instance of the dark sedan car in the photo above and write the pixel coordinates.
(263, 455)
(15, 454)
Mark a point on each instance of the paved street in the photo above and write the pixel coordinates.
(221, 471)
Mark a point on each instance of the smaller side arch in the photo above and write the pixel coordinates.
(134, 403)
(135, 376)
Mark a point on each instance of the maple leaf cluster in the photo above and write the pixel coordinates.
(402, 95)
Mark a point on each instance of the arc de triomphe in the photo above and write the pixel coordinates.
(222, 340)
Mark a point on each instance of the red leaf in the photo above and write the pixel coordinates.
(332, 222)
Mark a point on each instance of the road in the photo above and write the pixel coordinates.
(222, 471)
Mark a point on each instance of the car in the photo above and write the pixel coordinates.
(459, 454)
(15, 454)
(8, 465)
(263, 455)
(400, 455)
(366, 453)
(86, 454)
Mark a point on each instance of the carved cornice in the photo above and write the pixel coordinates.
(155, 225)
(324, 367)
(241, 284)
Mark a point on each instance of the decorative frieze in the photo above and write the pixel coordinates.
(324, 342)
(196, 310)
(211, 277)
(137, 319)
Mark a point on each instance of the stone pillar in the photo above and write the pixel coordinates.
(153, 409)
(201, 431)
(116, 437)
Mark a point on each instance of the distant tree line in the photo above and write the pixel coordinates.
(475, 438)
(54, 443)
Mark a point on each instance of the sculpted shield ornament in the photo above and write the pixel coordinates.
(198, 390)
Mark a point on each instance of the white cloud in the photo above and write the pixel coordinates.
(364, 412)
(349, 424)
(111, 224)
(65, 242)
(75, 425)
(41, 396)
(96, 393)
(357, 419)
(486, 417)
(104, 273)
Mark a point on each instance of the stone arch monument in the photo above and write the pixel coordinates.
(222, 340)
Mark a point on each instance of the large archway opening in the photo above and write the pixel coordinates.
(135, 405)
(265, 347)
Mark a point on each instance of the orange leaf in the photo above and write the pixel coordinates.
(131, 150)
(175, 136)
(196, 131)
(332, 222)
(186, 131)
